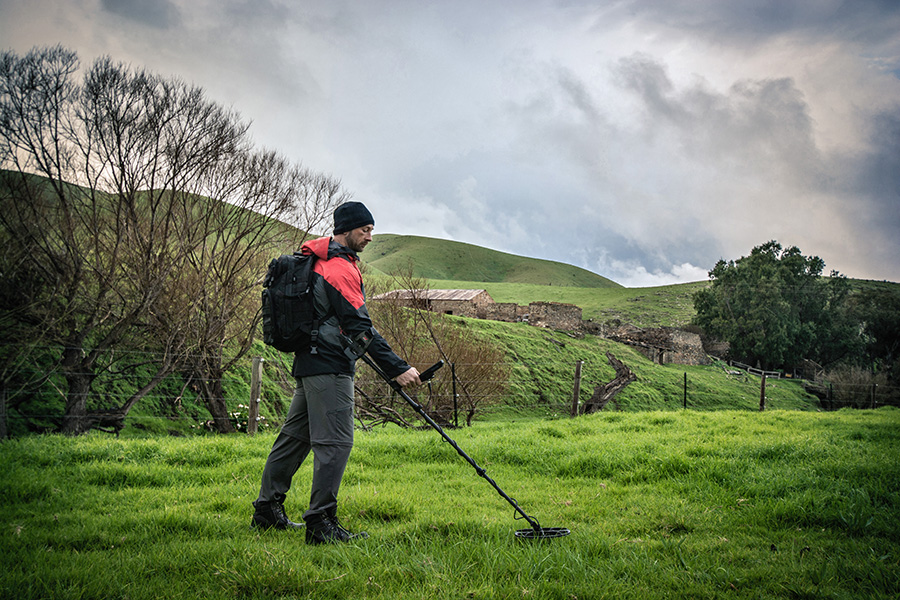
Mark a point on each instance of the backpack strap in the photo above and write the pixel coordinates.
(314, 333)
(314, 330)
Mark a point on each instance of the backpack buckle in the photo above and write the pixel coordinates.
(314, 337)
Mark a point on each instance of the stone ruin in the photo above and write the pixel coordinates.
(661, 345)
(478, 304)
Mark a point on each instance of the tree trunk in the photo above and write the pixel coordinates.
(604, 393)
(75, 420)
(113, 420)
(214, 399)
(4, 431)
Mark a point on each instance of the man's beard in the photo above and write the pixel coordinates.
(356, 244)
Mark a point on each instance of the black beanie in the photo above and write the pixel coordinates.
(350, 215)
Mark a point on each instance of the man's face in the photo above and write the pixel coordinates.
(359, 238)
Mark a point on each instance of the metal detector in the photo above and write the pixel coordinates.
(536, 532)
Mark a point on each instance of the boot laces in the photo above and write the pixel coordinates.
(337, 524)
(278, 511)
(343, 531)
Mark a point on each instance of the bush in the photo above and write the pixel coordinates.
(856, 387)
(423, 337)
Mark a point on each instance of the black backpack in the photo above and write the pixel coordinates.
(288, 310)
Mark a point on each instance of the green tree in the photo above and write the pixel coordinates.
(878, 310)
(775, 309)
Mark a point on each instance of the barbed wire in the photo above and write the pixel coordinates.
(52, 348)
(487, 408)
(182, 377)
(842, 394)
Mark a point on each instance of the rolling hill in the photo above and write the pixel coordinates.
(445, 260)
(510, 278)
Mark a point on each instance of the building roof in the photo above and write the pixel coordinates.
(463, 295)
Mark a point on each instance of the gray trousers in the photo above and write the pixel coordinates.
(320, 419)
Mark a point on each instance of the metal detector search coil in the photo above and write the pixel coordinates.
(536, 532)
(542, 533)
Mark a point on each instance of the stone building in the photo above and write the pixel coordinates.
(462, 303)
(478, 304)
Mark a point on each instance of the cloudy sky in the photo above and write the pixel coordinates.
(640, 139)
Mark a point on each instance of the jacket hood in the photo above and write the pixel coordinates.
(325, 248)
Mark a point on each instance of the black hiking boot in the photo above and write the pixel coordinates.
(324, 529)
(271, 514)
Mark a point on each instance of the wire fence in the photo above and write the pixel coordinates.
(179, 400)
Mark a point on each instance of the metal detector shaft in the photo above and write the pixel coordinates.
(421, 411)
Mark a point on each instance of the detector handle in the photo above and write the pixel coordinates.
(430, 371)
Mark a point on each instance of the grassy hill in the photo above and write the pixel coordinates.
(445, 260)
(510, 278)
(666, 306)
(543, 369)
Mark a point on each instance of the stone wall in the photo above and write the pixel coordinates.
(554, 315)
(460, 308)
(687, 349)
(499, 311)
(663, 344)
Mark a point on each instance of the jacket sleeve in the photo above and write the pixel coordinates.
(343, 285)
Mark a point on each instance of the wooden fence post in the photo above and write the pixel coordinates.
(577, 391)
(762, 394)
(4, 431)
(255, 386)
(455, 395)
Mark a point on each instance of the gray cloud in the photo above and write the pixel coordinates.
(759, 170)
(161, 14)
(865, 21)
(641, 139)
(874, 183)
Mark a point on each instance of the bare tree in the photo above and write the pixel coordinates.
(146, 215)
(241, 233)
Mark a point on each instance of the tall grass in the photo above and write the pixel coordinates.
(661, 505)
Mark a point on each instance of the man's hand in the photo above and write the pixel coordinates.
(408, 377)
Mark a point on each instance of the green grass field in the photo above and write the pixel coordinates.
(678, 504)
(719, 501)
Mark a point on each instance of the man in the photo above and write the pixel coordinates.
(321, 414)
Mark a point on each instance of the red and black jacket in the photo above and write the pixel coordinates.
(341, 305)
